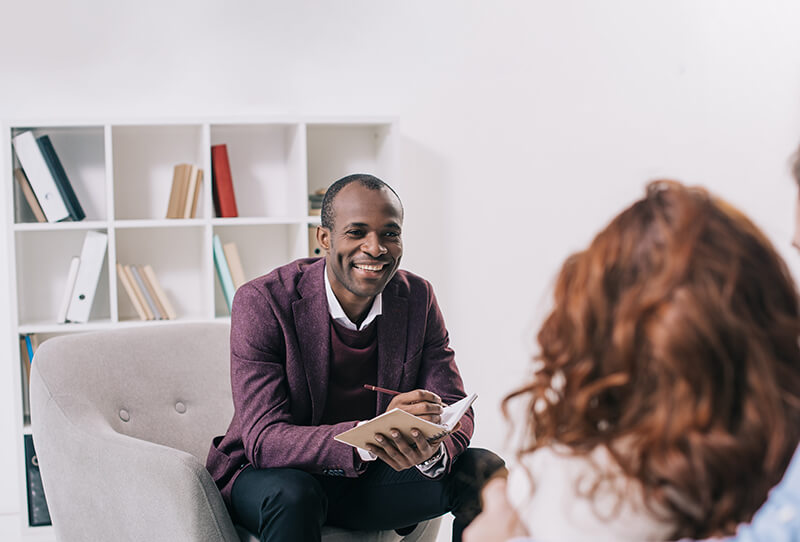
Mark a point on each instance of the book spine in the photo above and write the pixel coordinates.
(223, 272)
(162, 296)
(177, 196)
(60, 176)
(92, 256)
(40, 178)
(38, 513)
(25, 360)
(186, 210)
(126, 284)
(72, 276)
(29, 347)
(145, 293)
(30, 197)
(196, 197)
(234, 264)
(224, 199)
(148, 314)
(153, 294)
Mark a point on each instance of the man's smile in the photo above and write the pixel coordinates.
(372, 267)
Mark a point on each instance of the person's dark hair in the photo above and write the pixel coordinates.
(368, 181)
(796, 166)
(673, 343)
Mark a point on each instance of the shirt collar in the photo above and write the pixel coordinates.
(338, 314)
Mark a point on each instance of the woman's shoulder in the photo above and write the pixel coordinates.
(561, 496)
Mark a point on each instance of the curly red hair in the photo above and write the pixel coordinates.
(673, 343)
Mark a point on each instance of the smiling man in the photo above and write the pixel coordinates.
(305, 339)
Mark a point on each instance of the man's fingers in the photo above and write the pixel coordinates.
(401, 444)
(386, 453)
(413, 397)
(421, 396)
(422, 444)
(428, 411)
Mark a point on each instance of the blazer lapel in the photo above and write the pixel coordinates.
(312, 323)
(392, 331)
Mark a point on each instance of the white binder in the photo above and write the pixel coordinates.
(92, 256)
(39, 177)
(72, 276)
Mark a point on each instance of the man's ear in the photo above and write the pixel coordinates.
(324, 238)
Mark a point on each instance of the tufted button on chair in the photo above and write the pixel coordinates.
(122, 423)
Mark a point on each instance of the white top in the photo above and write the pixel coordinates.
(558, 510)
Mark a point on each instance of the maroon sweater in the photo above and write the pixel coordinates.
(354, 362)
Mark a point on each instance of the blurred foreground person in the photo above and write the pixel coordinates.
(666, 399)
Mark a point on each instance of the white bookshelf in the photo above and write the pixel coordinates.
(121, 172)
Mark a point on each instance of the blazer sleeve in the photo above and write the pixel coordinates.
(439, 373)
(273, 431)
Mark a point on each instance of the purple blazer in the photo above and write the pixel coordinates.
(280, 355)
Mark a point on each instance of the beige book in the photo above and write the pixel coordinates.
(193, 193)
(197, 190)
(234, 264)
(30, 197)
(128, 285)
(139, 295)
(160, 294)
(152, 292)
(180, 185)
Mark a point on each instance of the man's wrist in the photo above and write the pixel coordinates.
(437, 456)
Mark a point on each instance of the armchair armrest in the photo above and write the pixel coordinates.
(127, 486)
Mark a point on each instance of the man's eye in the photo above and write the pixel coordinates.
(355, 233)
(392, 234)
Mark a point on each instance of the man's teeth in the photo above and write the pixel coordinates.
(366, 267)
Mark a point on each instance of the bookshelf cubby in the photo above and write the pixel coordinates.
(121, 172)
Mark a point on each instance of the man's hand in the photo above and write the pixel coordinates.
(422, 403)
(498, 521)
(402, 453)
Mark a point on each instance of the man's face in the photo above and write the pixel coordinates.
(364, 246)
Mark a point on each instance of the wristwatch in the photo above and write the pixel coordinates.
(432, 460)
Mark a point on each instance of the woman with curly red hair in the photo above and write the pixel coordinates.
(666, 400)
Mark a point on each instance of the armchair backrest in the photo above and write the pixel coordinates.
(168, 384)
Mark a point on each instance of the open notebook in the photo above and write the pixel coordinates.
(401, 420)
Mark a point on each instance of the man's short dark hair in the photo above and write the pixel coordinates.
(364, 179)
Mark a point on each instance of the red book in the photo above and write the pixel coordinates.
(222, 182)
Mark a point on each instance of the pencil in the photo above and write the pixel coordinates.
(381, 390)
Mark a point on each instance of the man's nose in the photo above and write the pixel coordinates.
(372, 245)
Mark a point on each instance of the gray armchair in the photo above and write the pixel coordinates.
(122, 422)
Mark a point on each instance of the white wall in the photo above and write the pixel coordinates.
(525, 125)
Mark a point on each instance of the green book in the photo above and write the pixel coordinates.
(223, 272)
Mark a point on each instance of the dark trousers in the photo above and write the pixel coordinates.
(290, 504)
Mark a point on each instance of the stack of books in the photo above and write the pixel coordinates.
(43, 180)
(186, 182)
(229, 268)
(82, 278)
(145, 292)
